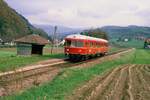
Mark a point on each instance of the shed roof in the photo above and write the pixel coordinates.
(33, 39)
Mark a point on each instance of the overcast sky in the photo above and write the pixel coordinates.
(84, 13)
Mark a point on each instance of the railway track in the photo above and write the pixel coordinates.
(29, 71)
(29, 76)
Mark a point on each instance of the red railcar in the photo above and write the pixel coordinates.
(81, 47)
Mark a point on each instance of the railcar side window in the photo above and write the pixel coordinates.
(86, 44)
(68, 43)
(91, 44)
(74, 43)
(99, 45)
(79, 44)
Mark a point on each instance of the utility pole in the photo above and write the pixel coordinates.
(56, 38)
(53, 38)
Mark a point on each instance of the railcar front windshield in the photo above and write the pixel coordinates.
(73, 43)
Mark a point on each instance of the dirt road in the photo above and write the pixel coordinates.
(127, 82)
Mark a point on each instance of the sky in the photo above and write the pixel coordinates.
(84, 13)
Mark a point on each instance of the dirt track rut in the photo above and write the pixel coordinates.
(127, 82)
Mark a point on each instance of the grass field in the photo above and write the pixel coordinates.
(7, 54)
(9, 60)
(131, 43)
(70, 79)
(114, 49)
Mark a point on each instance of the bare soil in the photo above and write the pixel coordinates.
(127, 82)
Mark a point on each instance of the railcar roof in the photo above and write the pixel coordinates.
(78, 36)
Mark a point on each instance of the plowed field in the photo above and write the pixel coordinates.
(127, 82)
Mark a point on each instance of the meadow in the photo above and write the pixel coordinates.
(71, 78)
(131, 43)
(9, 60)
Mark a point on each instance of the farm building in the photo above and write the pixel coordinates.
(31, 44)
(147, 43)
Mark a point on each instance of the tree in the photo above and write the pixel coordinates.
(98, 33)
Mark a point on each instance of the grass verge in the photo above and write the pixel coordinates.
(69, 78)
(10, 61)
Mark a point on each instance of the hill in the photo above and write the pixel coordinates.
(130, 36)
(98, 33)
(61, 30)
(14, 25)
(131, 31)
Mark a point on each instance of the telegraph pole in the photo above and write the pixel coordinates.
(56, 38)
(53, 38)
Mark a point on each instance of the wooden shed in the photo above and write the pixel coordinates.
(31, 44)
